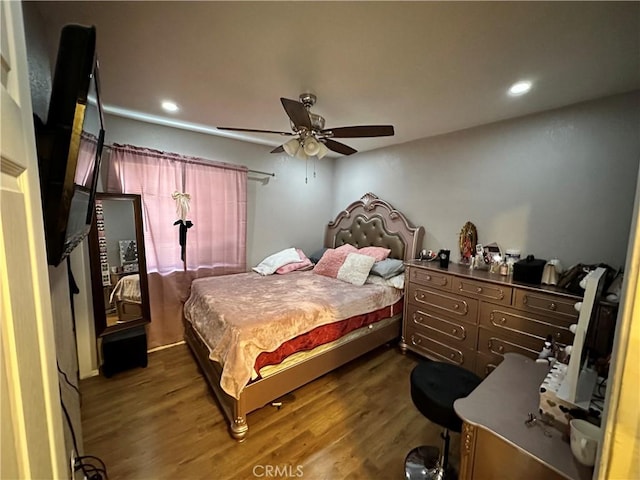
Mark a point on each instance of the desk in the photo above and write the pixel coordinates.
(496, 443)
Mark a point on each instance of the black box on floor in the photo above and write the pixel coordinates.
(124, 350)
(529, 270)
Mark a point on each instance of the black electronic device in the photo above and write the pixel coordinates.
(68, 186)
(529, 270)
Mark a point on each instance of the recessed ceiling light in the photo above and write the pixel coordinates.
(169, 106)
(520, 88)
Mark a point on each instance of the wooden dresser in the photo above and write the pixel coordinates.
(473, 317)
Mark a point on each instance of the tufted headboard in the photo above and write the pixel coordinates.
(374, 222)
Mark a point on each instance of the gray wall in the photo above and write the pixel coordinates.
(557, 185)
(39, 59)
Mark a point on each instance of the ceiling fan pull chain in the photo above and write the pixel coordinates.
(314, 167)
(306, 170)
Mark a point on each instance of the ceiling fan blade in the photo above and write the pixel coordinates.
(339, 147)
(277, 149)
(360, 131)
(297, 113)
(255, 131)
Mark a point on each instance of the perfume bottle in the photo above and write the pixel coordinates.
(504, 268)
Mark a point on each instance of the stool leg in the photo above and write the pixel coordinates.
(447, 472)
(445, 449)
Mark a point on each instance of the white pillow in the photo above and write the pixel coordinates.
(273, 262)
(395, 282)
(355, 268)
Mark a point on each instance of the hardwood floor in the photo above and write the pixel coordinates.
(162, 422)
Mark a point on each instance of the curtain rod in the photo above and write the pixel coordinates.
(203, 162)
(262, 173)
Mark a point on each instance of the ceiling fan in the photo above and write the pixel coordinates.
(311, 138)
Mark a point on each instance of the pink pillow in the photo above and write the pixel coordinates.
(347, 247)
(345, 265)
(378, 253)
(331, 262)
(290, 267)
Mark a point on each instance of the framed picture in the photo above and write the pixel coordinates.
(128, 252)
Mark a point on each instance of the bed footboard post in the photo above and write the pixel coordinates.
(402, 345)
(239, 428)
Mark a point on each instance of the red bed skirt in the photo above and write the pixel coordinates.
(325, 334)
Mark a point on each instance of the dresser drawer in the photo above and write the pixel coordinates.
(547, 304)
(430, 278)
(446, 330)
(490, 292)
(492, 343)
(515, 322)
(449, 305)
(437, 350)
(485, 364)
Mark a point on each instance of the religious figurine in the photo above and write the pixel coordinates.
(467, 241)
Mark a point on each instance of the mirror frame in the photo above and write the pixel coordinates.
(99, 307)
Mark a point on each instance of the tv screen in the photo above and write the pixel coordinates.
(70, 144)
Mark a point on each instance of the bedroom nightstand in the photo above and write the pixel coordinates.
(124, 350)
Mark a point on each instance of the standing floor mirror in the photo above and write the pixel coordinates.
(118, 267)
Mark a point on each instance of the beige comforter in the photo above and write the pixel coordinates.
(240, 316)
(127, 289)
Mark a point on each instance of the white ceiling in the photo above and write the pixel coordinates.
(425, 67)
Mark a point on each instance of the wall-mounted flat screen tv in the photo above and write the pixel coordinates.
(70, 143)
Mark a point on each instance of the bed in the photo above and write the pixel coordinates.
(246, 367)
(127, 298)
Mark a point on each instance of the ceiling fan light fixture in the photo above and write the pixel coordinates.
(311, 138)
(301, 155)
(323, 150)
(292, 147)
(311, 146)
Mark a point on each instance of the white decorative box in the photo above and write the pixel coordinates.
(551, 406)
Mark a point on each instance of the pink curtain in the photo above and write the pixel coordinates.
(216, 244)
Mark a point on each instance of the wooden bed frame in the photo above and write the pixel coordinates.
(367, 222)
(127, 310)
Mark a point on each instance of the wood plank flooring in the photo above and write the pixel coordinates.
(162, 422)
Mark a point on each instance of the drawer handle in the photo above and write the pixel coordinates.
(558, 335)
(456, 306)
(428, 277)
(501, 349)
(525, 299)
(454, 331)
(479, 289)
(452, 356)
(421, 296)
(553, 306)
(503, 320)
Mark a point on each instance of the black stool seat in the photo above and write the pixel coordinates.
(434, 388)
